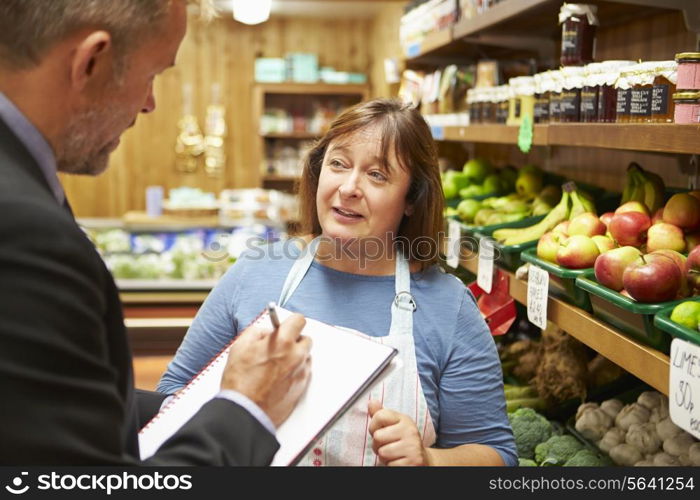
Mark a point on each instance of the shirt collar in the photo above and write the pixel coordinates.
(34, 142)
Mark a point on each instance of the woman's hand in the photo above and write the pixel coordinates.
(396, 439)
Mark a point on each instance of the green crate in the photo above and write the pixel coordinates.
(562, 281)
(662, 320)
(507, 256)
(633, 318)
(470, 230)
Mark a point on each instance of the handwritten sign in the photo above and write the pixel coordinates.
(484, 273)
(525, 134)
(537, 294)
(454, 235)
(684, 386)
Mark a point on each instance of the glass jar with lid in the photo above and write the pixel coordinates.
(543, 84)
(555, 95)
(624, 93)
(589, 92)
(570, 97)
(513, 101)
(502, 95)
(578, 23)
(665, 78)
(607, 93)
(688, 70)
(471, 105)
(641, 82)
(687, 107)
(488, 110)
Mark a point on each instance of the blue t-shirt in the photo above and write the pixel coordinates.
(458, 365)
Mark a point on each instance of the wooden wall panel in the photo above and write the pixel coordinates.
(222, 51)
(385, 43)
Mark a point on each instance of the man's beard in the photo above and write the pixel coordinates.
(79, 153)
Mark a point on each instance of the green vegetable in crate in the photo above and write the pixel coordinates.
(587, 458)
(471, 191)
(687, 314)
(467, 209)
(492, 184)
(525, 462)
(557, 450)
(529, 429)
(476, 170)
(452, 182)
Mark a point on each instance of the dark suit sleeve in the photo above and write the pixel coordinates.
(64, 378)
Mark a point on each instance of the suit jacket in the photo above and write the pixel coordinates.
(66, 383)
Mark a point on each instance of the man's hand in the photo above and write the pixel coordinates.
(271, 369)
(396, 439)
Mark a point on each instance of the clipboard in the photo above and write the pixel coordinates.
(344, 365)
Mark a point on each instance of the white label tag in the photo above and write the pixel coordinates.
(484, 273)
(454, 235)
(684, 386)
(537, 295)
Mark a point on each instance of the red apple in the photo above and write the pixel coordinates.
(683, 210)
(680, 261)
(665, 236)
(692, 269)
(604, 243)
(606, 217)
(586, 224)
(562, 228)
(577, 252)
(691, 241)
(695, 193)
(632, 206)
(611, 265)
(655, 279)
(548, 246)
(630, 228)
(658, 216)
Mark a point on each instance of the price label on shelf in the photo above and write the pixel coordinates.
(684, 386)
(454, 236)
(484, 273)
(438, 132)
(537, 294)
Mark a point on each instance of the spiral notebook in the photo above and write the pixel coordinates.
(344, 365)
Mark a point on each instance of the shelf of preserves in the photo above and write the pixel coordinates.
(645, 363)
(657, 137)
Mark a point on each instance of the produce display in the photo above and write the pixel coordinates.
(638, 434)
(687, 314)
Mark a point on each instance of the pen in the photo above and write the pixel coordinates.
(272, 311)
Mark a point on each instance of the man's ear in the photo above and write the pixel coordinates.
(91, 58)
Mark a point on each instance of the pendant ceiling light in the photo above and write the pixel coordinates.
(251, 11)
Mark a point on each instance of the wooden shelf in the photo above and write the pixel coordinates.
(643, 362)
(280, 178)
(291, 135)
(657, 137)
(314, 88)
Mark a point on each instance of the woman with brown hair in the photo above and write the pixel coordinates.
(371, 213)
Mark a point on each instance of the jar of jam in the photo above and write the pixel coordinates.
(687, 107)
(555, 96)
(579, 23)
(641, 82)
(607, 93)
(590, 91)
(488, 112)
(688, 70)
(503, 104)
(513, 101)
(624, 93)
(471, 105)
(570, 97)
(665, 77)
(542, 91)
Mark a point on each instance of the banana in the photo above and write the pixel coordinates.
(653, 191)
(515, 237)
(577, 207)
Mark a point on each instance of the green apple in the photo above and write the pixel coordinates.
(687, 314)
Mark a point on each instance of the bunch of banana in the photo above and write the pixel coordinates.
(558, 214)
(573, 203)
(645, 187)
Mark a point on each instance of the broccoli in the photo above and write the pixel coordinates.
(587, 458)
(526, 462)
(529, 429)
(557, 450)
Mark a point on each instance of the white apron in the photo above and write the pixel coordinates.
(348, 442)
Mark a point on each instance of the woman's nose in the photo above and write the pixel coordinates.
(349, 187)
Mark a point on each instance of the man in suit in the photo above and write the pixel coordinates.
(74, 74)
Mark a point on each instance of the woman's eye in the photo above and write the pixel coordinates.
(377, 175)
(336, 164)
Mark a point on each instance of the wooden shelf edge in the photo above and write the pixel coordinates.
(493, 16)
(656, 137)
(645, 363)
(431, 42)
(314, 88)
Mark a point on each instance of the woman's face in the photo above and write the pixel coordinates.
(357, 197)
